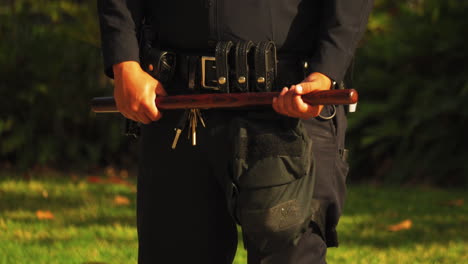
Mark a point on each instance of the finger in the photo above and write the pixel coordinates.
(154, 118)
(308, 111)
(301, 106)
(289, 101)
(281, 101)
(159, 116)
(132, 116)
(143, 118)
(129, 116)
(137, 112)
(274, 104)
(126, 112)
(319, 110)
(150, 109)
(149, 112)
(305, 110)
(153, 113)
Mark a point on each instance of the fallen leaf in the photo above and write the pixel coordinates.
(74, 177)
(404, 225)
(456, 203)
(111, 172)
(121, 200)
(94, 179)
(44, 215)
(108, 180)
(124, 174)
(117, 180)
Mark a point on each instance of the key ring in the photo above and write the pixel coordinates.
(330, 116)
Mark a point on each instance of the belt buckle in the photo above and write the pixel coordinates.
(205, 60)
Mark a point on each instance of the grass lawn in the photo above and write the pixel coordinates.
(91, 221)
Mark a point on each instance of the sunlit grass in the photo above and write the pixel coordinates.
(438, 232)
(89, 226)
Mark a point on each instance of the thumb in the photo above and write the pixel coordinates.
(307, 87)
(160, 90)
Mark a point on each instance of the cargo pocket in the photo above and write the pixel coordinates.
(269, 150)
(272, 167)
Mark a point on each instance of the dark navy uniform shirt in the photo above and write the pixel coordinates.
(325, 31)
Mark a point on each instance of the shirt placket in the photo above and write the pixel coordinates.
(213, 23)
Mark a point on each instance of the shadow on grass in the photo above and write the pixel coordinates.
(105, 220)
(30, 202)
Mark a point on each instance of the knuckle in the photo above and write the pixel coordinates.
(150, 111)
(153, 116)
(134, 107)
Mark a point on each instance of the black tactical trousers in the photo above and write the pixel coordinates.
(186, 207)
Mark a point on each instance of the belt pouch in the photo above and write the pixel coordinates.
(244, 61)
(159, 64)
(265, 66)
(223, 49)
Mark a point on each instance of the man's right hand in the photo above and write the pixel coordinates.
(135, 92)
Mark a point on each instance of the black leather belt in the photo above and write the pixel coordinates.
(235, 67)
(197, 73)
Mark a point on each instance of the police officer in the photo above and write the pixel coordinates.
(279, 173)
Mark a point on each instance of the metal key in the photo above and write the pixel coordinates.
(200, 117)
(192, 133)
(178, 129)
(194, 117)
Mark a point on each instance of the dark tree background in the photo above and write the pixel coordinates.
(410, 71)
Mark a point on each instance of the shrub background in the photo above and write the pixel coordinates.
(410, 71)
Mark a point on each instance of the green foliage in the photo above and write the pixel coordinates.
(410, 72)
(50, 68)
(411, 75)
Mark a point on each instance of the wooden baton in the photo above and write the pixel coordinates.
(231, 100)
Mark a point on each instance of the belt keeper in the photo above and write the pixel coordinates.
(223, 49)
(243, 63)
(192, 69)
(265, 66)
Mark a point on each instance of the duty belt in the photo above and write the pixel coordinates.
(234, 67)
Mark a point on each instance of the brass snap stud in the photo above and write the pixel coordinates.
(222, 80)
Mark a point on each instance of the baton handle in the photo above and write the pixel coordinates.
(231, 100)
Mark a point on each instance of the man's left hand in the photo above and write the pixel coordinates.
(290, 103)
